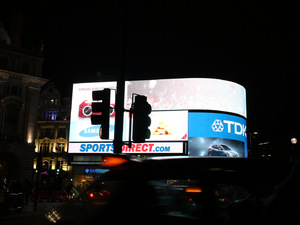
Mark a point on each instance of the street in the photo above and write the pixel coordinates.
(32, 220)
(28, 215)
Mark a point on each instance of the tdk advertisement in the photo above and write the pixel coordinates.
(217, 134)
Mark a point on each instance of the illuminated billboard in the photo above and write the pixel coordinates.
(172, 122)
(169, 125)
(190, 94)
(81, 129)
(140, 148)
(217, 134)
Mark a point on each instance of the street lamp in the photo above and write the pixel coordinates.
(294, 142)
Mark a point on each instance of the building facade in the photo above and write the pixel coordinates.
(20, 85)
(51, 143)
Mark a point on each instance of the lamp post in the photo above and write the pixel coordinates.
(294, 142)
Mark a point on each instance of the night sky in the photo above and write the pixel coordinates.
(252, 43)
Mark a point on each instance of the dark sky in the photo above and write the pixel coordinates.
(249, 42)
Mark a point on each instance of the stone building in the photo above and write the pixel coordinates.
(20, 85)
(52, 137)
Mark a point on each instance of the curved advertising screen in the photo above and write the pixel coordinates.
(179, 124)
(216, 134)
(190, 93)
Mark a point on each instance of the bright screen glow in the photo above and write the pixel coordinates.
(217, 134)
(191, 93)
(171, 99)
(81, 129)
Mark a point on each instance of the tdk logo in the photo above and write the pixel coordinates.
(232, 127)
(217, 126)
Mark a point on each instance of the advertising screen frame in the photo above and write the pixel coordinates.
(178, 96)
(222, 129)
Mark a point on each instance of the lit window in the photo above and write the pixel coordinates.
(51, 115)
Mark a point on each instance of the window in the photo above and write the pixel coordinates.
(42, 133)
(60, 147)
(51, 115)
(46, 147)
(225, 147)
(45, 165)
(13, 90)
(47, 132)
(11, 121)
(41, 147)
(61, 133)
(53, 101)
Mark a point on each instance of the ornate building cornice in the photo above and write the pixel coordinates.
(25, 79)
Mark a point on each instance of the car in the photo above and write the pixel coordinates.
(173, 190)
(221, 150)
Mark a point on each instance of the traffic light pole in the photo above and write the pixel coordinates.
(119, 107)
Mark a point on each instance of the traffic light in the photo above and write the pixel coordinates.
(141, 119)
(101, 111)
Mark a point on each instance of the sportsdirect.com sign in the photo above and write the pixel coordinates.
(161, 147)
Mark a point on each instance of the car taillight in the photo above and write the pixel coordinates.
(91, 195)
(193, 190)
(209, 149)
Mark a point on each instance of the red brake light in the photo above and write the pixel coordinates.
(91, 195)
